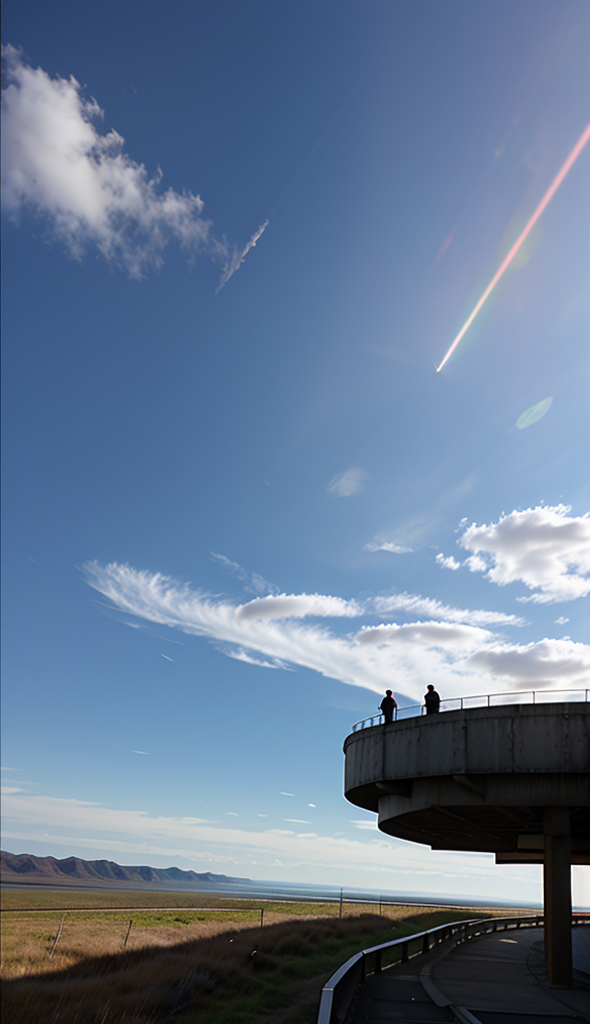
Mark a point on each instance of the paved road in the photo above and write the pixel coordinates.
(500, 979)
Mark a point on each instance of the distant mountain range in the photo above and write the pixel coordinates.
(25, 869)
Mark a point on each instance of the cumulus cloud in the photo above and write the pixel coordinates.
(350, 482)
(544, 547)
(447, 563)
(430, 634)
(561, 621)
(370, 658)
(82, 184)
(299, 606)
(540, 663)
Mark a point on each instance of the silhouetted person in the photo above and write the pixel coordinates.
(432, 700)
(388, 705)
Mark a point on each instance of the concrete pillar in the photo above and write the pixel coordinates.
(558, 895)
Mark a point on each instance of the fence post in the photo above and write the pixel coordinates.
(58, 935)
(341, 896)
(261, 916)
(127, 935)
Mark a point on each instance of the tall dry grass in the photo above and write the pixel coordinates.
(27, 940)
(152, 982)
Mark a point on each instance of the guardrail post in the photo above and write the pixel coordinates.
(426, 944)
(378, 962)
(404, 959)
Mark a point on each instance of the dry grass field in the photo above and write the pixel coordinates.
(206, 966)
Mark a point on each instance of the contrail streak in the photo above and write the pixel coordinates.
(239, 257)
(585, 136)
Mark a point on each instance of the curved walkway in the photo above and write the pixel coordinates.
(497, 979)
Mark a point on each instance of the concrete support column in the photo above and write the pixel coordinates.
(558, 895)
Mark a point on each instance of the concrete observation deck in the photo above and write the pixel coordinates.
(477, 779)
(512, 780)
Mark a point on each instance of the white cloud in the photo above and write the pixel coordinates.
(255, 584)
(83, 185)
(409, 653)
(240, 654)
(561, 621)
(429, 634)
(537, 663)
(350, 482)
(90, 825)
(387, 545)
(416, 605)
(299, 606)
(447, 563)
(238, 257)
(544, 547)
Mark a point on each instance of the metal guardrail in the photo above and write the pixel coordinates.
(488, 700)
(339, 992)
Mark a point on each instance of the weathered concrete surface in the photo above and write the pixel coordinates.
(499, 973)
(477, 779)
(543, 738)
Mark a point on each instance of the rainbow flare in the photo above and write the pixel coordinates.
(584, 137)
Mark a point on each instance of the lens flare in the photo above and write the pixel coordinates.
(584, 137)
(536, 412)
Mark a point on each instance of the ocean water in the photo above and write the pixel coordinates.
(247, 889)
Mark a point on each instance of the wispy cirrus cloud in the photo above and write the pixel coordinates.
(343, 485)
(83, 186)
(544, 547)
(387, 545)
(414, 604)
(369, 658)
(238, 257)
(81, 823)
(254, 583)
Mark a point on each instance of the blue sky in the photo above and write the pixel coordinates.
(239, 501)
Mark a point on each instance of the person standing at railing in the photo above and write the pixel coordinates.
(388, 706)
(431, 700)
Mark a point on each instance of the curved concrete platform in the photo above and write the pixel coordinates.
(477, 779)
(497, 979)
(511, 780)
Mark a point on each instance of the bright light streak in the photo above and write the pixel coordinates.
(585, 136)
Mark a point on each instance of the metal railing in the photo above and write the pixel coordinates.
(480, 701)
(339, 992)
